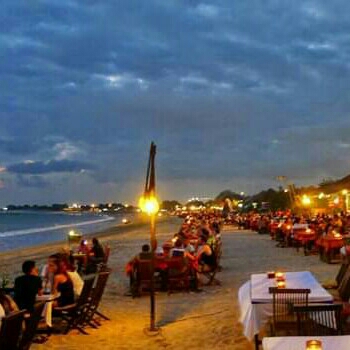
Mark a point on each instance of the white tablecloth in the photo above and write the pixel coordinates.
(47, 312)
(298, 343)
(303, 279)
(256, 302)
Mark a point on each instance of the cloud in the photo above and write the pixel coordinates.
(51, 166)
(34, 181)
(214, 84)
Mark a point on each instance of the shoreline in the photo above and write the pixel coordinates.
(40, 252)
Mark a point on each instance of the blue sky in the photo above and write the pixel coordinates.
(233, 93)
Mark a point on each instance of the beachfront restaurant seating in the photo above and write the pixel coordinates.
(341, 273)
(211, 274)
(178, 274)
(11, 330)
(283, 300)
(143, 271)
(319, 319)
(96, 296)
(343, 290)
(75, 314)
(31, 326)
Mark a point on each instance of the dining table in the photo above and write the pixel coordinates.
(255, 301)
(329, 246)
(339, 342)
(47, 312)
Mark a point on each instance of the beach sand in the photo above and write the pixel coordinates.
(207, 320)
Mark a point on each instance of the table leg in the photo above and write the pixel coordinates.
(257, 341)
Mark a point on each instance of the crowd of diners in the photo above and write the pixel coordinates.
(58, 276)
(321, 222)
(281, 225)
(197, 242)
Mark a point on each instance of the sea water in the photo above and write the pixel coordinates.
(20, 229)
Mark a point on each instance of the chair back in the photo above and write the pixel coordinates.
(283, 301)
(107, 254)
(144, 270)
(344, 286)
(85, 294)
(99, 289)
(319, 319)
(218, 252)
(31, 326)
(11, 329)
(341, 273)
(176, 264)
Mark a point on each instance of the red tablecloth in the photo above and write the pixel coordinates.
(328, 243)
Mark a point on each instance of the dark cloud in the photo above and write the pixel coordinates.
(34, 181)
(233, 92)
(48, 167)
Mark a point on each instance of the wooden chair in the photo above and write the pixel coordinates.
(344, 286)
(11, 330)
(211, 275)
(341, 273)
(178, 274)
(283, 318)
(75, 314)
(144, 274)
(319, 319)
(96, 297)
(31, 325)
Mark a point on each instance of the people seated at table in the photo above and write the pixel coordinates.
(63, 285)
(96, 256)
(205, 256)
(98, 253)
(178, 249)
(77, 281)
(27, 286)
(84, 247)
(48, 272)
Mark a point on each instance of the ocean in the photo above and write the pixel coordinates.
(19, 229)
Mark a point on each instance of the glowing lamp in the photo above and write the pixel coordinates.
(344, 192)
(149, 205)
(289, 227)
(306, 200)
(321, 195)
(313, 345)
(336, 200)
(280, 276)
(281, 284)
(308, 230)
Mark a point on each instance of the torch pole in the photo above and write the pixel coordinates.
(152, 294)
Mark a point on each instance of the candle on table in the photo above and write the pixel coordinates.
(280, 276)
(281, 284)
(314, 345)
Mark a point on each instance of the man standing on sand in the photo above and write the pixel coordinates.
(28, 286)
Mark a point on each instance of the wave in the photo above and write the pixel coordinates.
(52, 228)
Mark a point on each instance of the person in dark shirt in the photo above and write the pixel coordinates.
(97, 256)
(97, 250)
(28, 286)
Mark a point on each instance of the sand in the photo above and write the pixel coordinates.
(207, 320)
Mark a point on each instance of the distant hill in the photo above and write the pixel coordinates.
(227, 194)
(329, 186)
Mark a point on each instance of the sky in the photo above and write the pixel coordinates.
(233, 93)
